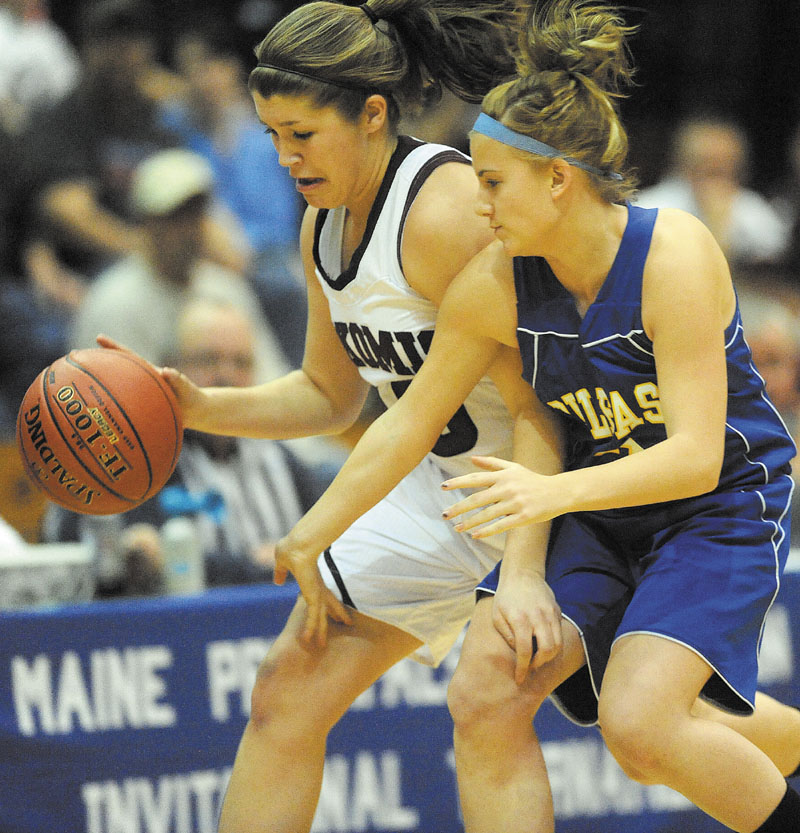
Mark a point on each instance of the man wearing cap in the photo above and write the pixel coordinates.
(137, 299)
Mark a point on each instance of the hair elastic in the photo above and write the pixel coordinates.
(487, 126)
(370, 13)
(343, 84)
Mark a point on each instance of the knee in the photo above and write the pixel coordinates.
(464, 701)
(632, 736)
(282, 697)
(478, 697)
(266, 696)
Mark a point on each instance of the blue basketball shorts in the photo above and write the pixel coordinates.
(702, 572)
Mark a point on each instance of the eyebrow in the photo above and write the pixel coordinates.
(483, 171)
(287, 123)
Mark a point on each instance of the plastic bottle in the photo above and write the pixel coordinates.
(184, 569)
(103, 532)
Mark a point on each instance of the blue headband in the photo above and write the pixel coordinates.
(487, 126)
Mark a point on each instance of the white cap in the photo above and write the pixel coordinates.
(167, 179)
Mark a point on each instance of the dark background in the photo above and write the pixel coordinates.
(737, 58)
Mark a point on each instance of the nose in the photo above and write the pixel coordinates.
(287, 156)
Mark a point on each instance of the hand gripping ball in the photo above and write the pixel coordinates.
(99, 431)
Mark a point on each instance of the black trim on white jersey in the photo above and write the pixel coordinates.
(337, 577)
(422, 174)
(405, 144)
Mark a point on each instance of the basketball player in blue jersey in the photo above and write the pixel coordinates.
(671, 514)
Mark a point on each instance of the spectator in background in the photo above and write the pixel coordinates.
(31, 336)
(709, 168)
(772, 325)
(38, 64)
(786, 201)
(242, 494)
(773, 333)
(215, 117)
(137, 299)
(38, 68)
(78, 156)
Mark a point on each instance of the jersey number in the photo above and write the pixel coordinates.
(460, 435)
(630, 446)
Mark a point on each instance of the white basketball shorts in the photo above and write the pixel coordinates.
(403, 564)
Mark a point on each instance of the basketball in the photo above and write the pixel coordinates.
(99, 431)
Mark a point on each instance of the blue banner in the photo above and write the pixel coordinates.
(124, 717)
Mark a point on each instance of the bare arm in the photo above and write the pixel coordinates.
(462, 352)
(74, 206)
(325, 396)
(525, 610)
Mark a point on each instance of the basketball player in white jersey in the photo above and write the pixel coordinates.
(390, 222)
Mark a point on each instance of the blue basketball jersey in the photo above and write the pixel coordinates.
(702, 571)
(599, 372)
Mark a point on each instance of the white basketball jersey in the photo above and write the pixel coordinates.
(385, 326)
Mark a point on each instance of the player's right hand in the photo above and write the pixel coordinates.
(189, 396)
(321, 602)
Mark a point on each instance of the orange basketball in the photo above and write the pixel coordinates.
(99, 431)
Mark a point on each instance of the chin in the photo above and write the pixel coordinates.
(518, 248)
(319, 202)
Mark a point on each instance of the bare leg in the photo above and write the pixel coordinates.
(502, 780)
(646, 702)
(773, 727)
(300, 693)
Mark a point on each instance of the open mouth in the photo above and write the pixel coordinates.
(307, 182)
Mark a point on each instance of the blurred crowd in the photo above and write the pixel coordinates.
(140, 198)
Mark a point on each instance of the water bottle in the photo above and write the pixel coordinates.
(184, 568)
(103, 532)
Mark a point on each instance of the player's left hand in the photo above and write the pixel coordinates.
(526, 614)
(512, 494)
(321, 602)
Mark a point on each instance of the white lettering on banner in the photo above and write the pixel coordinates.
(187, 803)
(231, 666)
(776, 657)
(412, 684)
(123, 688)
(586, 781)
(363, 794)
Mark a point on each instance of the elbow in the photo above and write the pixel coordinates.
(708, 483)
(706, 473)
(344, 419)
(61, 200)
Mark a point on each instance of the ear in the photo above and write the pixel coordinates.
(561, 174)
(376, 112)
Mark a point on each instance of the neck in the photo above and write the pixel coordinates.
(586, 245)
(175, 271)
(366, 188)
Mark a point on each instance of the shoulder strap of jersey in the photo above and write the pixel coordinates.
(404, 147)
(625, 276)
